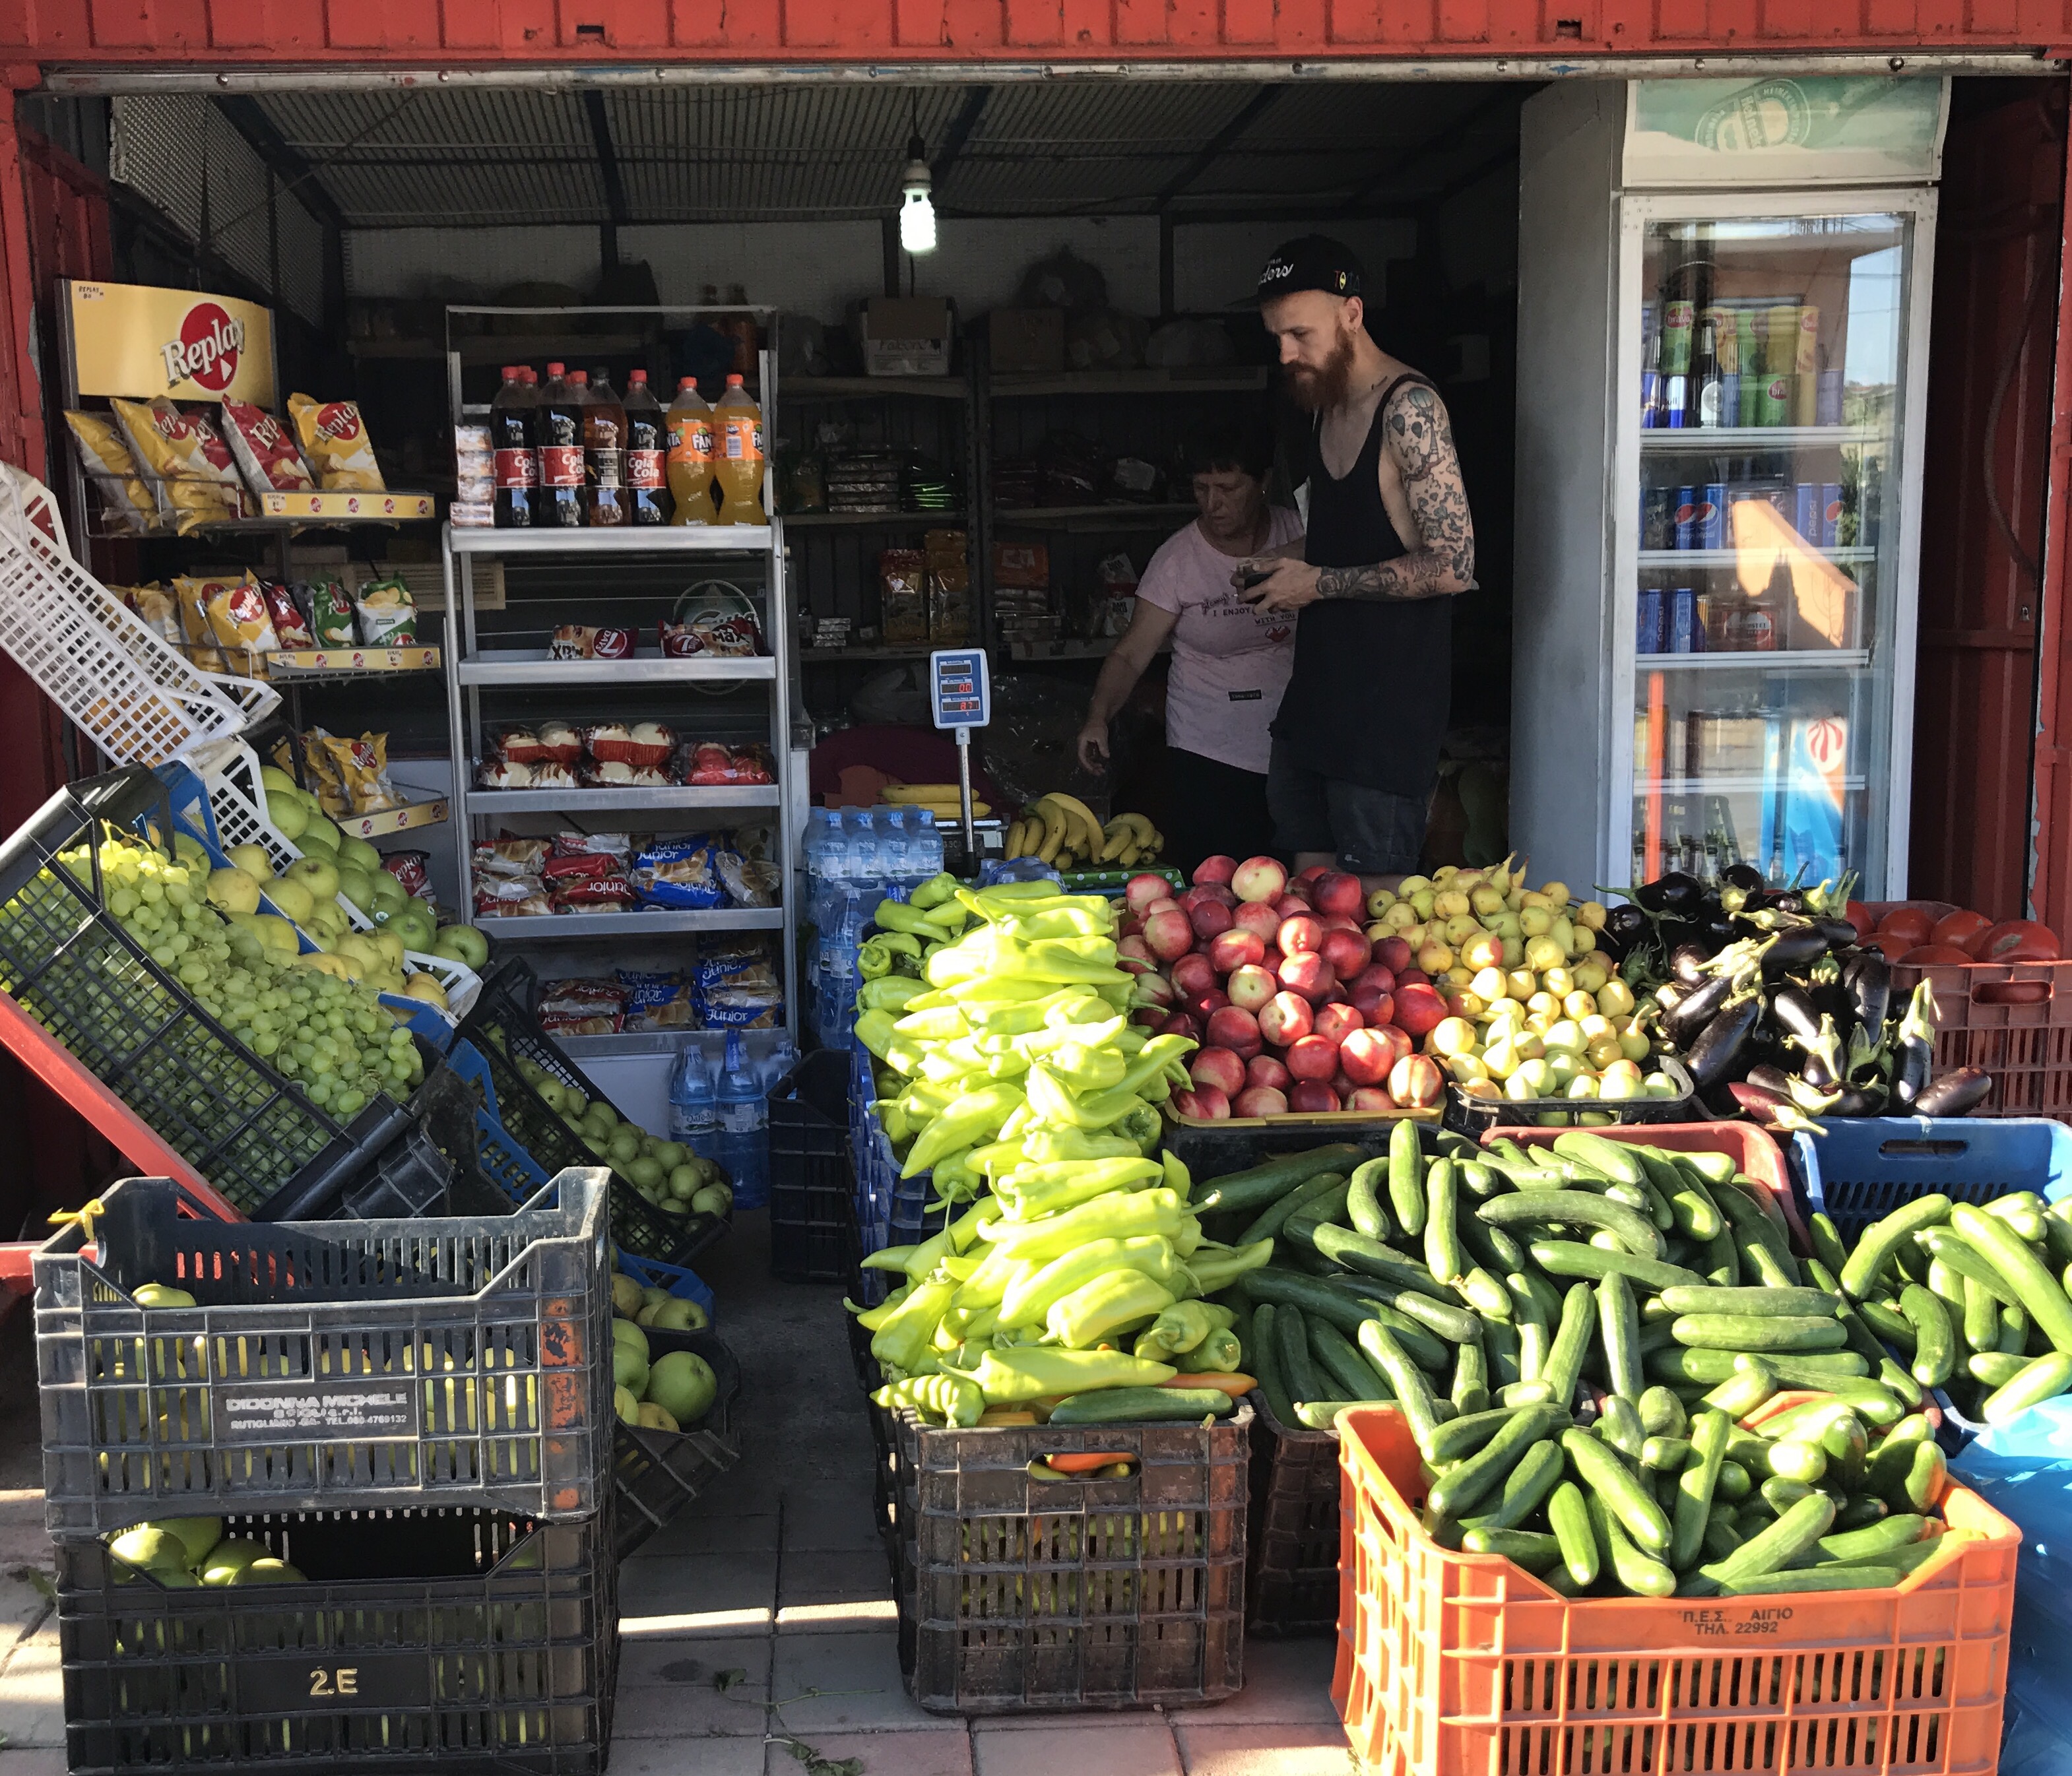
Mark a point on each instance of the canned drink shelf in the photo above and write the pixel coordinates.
(1739, 784)
(1738, 440)
(1809, 660)
(1733, 557)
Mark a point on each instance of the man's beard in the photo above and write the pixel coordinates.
(1319, 390)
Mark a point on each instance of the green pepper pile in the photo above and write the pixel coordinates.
(1577, 1336)
(1014, 1078)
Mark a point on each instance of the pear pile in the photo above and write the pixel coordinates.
(662, 1393)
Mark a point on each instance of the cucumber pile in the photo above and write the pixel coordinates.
(1975, 1297)
(1583, 1339)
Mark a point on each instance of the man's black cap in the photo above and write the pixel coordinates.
(1313, 261)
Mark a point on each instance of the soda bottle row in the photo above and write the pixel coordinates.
(569, 454)
(1752, 367)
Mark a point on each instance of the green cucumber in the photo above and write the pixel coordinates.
(1340, 1365)
(1662, 1413)
(1632, 1570)
(1763, 1303)
(1934, 1348)
(1270, 1220)
(1908, 1476)
(1982, 1317)
(1316, 1297)
(1887, 1536)
(1576, 1208)
(1485, 1294)
(1406, 1178)
(1322, 1415)
(1695, 1486)
(1770, 1270)
(1459, 1438)
(1618, 1423)
(2044, 1378)
(1477, 1179)
(1450, 1321)
(1602, 1155)
(1567, 1258)
(1962, 1256)
(1863, 1510)
(1251, 1191)
(1537, 1473)
(1568, 1516)
(1138, 1405)
(1734, 1483)
(2042, 1296)
(1503, 1352)
(1363, 1207)
(1788, 1333)
(1995, 1368)
(1373, 1259)
(1665, 1454)
(1608, 1478)
(1887, 1324)
(1534, 1550)
(1262, 1347)
(1721, 1537)
(1781, 1493)
(1413, 1397)
(1744, 1390)
(1470, 1392)
(1795, 1459)
(1880, 1241)
(1290, 1333)
(1442, 1236)
(1564, 1367)
(1463, 1486)
(1776, 1547)
(1618, 1326)
(1711, 1368)
(1827, 1245)
(1815, 1578)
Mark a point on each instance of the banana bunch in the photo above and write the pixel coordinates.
(1062, 832)
(942, 800)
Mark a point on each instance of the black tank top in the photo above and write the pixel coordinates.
(1368, 701)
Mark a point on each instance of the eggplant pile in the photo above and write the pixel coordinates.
(1776, 1013)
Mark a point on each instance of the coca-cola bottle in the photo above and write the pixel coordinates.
(517, 465)
(604, 452)
(558, 433)
(647, 495)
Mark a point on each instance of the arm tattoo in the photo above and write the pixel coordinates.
(1444, 563)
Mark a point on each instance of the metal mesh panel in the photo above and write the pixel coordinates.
(238, 190)
(302, 256)
(159, 149)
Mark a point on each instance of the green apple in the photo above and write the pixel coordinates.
(360, 854)
(462, 943)
(232, 891)
(318, 874)
(291, 897)
(288, 817)
(355, 884)
(416, 925)
(320, 835)
(683, 1384)
(390, 944)
(273, 778)
(388, 893)
(254, 860)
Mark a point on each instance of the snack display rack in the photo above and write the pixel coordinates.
(487, 680)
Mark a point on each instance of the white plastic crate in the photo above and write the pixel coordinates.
(136, 697)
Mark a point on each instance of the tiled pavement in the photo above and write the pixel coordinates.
(758, 1630)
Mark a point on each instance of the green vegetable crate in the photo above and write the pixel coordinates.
(1020, 1595)
(472, 1640)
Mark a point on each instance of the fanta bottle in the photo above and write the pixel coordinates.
(738, 457)
(690, 428)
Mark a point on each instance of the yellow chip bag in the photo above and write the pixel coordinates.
(173, 444)
(362, 765)
(330, 788)
(239, 620)
(190, 596)
(334, 440)
(101, 450)
(159, 608)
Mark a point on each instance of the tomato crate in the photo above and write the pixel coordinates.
(1022, 1596)
(2013, 1019)
(248, 1130)
(328, 1365)
(502, 1031)
(658, 1472)
(1455, 1664)
(811, 1184)
(465, 1640)
(1290, 1579)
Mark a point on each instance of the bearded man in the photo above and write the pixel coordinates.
(1389, 542)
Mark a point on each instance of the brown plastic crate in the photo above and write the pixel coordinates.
(2026, 1048)
(1291, 1583)
(1020, 1595)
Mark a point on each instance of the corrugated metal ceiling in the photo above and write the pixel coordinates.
(438, 158)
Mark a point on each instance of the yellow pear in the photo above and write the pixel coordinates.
(291, 898)
(426, 987)
(253, 860)
(232, 891)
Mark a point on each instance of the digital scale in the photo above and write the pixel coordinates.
(960, 693)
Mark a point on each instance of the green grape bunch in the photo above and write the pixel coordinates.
(331, 1036)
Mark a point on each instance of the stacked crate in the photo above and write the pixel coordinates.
(416, 1414)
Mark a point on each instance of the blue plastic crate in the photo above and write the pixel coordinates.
(1863, 1168)
(684, 1285)
(497, 1153)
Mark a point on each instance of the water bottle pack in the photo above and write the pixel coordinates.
(742, 1144)
(855, 857)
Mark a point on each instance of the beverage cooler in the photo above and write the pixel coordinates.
(1749, 464)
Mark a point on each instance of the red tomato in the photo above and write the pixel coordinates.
(1962, 929)
(2011, 993)
(1858, 914)
(1888, 944)
(2018, 940)
(1910, 922)
(1925, 956)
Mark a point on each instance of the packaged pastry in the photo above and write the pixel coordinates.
(658, 1000)
(617, 846)
(503, 774)
(606, 892)
(511, 896)
(678, 640)
(749, 883)
(330, 610)
(509, 856)
(902, 595)
(334, 439)
(582, 1008)
(289, 624)
(549, 773)
(712, 763)
(562, 744)
(614, 774)
(519, 746)
(387, 614)
(742, 961)
(647, 743)
(565, 870)
(572, 641)
(741, 1008)
(362, 765)
(733, 635)
(679, 873)
(264, 450)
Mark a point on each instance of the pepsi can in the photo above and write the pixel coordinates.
(1712, 516)
(1806, 518)
(1830, 513)
(1685, 636)
(1685, 513)
(1647, 624)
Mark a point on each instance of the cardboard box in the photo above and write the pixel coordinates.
(1027, 341)
(907, 336)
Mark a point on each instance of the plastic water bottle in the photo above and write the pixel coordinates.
(892, 852)
(693, 1109)
(743, 1143)
(864, 869)
(839, 947)
(924, 848)
(777, 1067)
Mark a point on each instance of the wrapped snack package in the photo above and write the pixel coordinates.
(160, 611)
(610, 643)
(737, 984)
(679, 873)
(678, 640)
(386, 614)
(582, 1008)
(658, 1001)
(183, 452)
(612, 775)
(413, 869)
(756, 842)
(126, 504)
(748, 884)
(503, 774)
(562, 744)
(363, 767)
(511, 896)
(519, 746)
(241, 622)
(572, 641)
(329, 786)
(191, 592)
(601, 889)
(331, 613)
(511, 857)
(289, 625)
(264, 450)
(333, 439)
(645, 743)
(732, 635)
(710, 763)
(617, 846)
(902, 595)
(549, 775)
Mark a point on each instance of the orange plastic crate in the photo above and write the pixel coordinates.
(1465, 1665)
(2013, 1019)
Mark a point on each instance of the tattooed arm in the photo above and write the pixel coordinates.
(1421, 442)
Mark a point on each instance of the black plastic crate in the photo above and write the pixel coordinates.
(1291, 1585)
(244, 1126)
(463, 1639)
(1468, 1116)
(812, 1188)
(884, 1446)
(329, 1365)
(656, 1473)
(1023, 1596)
(503, 1027)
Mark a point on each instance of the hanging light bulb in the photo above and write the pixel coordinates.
(917, 212)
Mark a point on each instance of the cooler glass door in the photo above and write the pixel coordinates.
(1771, 387)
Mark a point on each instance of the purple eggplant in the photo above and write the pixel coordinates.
(1676, 893)
(1767, 1078)
(1796, 1013)
(1853, 1101)
(1792, 952)
(1867, 979)
(1710, 1059)
(1627, 923)
(1954, 1094)
(1743, 876)
(1684, 963)
(1913, 1047)
(1686, 1021)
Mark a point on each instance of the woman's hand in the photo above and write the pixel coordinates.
(1092, 746)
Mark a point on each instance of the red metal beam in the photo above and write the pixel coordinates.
(2050, 879)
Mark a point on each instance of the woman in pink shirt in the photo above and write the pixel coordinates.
(1229, 662)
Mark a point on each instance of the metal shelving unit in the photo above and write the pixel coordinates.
(477, 674)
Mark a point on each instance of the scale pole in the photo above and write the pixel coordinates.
(964, 794)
